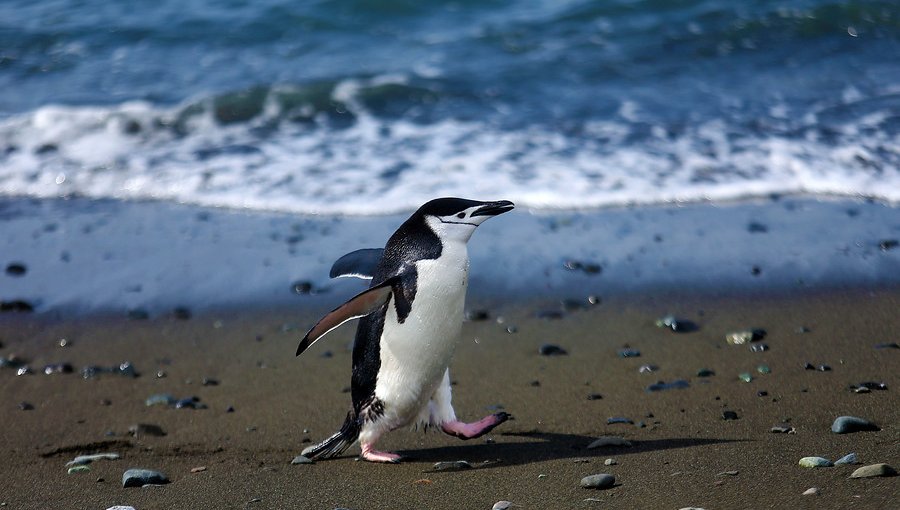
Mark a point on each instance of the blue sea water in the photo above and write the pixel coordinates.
(366, 107)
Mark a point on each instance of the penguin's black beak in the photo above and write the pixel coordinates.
(494, 208)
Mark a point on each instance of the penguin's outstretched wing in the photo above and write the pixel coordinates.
(358, 306)
(357, 264)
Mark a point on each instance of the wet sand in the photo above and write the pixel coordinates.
(280, 403)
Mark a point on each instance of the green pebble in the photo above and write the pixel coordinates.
(79, 469)
(764, 369)
(744, 376)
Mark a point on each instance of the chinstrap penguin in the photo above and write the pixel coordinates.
(411, 316)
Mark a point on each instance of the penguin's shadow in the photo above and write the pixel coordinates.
(543, 446)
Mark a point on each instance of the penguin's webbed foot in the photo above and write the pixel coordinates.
(372, 455)
(477, 429)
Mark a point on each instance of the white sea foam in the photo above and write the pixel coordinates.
(376, 165)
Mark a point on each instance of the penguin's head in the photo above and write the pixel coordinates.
(457, 218)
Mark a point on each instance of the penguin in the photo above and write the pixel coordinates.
(410, 320)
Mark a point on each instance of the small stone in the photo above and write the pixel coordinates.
(619, 419)
(646, 369)
(745, 336)
(608, 441)
(26, 370)
(815, 462)
(209, 382)
(888, 244)
(823, 368)
(812, 491)
(182, 313)
(198, 469)
(595, 396)
(146, 429)
(848, 424)
(850, 458)
(782, 429)
(763, 369)
(729, 473)
(301, 459)
(136, 477)
(79, 469)
(551, 350)
(120, 507)
(502, 505)
(745, 376)
(477, 315)
(599, 481)
(16, 269)
(57, 368)
(705, 372)
(729, 415)
(762, 393)
(676, 325)
(759, 347)
(629, 353)
(25, 406)
(889, 345)
(455, 465)
(160, 399)
(874, 470)
(610, 462)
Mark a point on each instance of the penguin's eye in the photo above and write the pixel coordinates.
(461, 215)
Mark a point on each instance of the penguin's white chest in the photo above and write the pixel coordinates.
(415, 353)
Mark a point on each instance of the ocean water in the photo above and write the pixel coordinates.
(371, 107)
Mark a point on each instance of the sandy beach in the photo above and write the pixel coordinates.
(683, 453)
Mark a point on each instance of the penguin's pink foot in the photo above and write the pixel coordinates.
(373, 455)
(476, 429)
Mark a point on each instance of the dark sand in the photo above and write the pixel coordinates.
(535, 461)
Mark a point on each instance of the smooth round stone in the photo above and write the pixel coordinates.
(300, 459)
(139, 477)
(610, 462)
(599, 481)
(848, 424)
(502, 505)
(812, 491)
(815, 462)
(874, 470)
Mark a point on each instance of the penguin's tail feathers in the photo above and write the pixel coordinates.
(338, 442)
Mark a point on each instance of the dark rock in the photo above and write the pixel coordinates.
(25, 406)
(869, 385)
(535, 383)
(849, 424)
(230, 409)
(210, 382)
(678, 384)
(125, 369)
(783, 428)
(823, 368)
(182, 313)
(551, 350)
(46, 148)
(705, 372)
(16, 305)
(16, 269)
(730, 415)
(762, 393)
(891, 345)
(809, 366)
(757, 228)
(140, 477)
(755, 270)
(585, 267)
(146, 429)
(189, 403)
(595, 396)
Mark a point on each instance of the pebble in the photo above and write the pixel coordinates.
(160, 399)
(608, 441)
(705, 372)
(16, 305)
(146, 429)
(198, 469)
(745, 376)
(812, 491)
(745, 336)
(595, 396)
(598, 481)
(57, 368)
(301, 459)
(629, 353)
(78, 469)
(759, 348)
(87, 459)
(890, 345)
(121, 507)
(676, 325)
(678, 384)
(124, 369)
(782, 429)
(610, 462)
(850, 458)
(848, 424)
(874, 470)
(502, 505)
(136, 477)
(763, 369)
(619, 419)
(25, 406)
(16, 269)
(729, 415)
(869, 385)
(477, 315)
(551, 350)
(815, 462)
(452, 465)
(646, 369)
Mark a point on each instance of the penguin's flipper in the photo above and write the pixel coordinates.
(357, 264)
(360, 305)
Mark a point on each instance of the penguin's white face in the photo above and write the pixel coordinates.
(460, 224)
